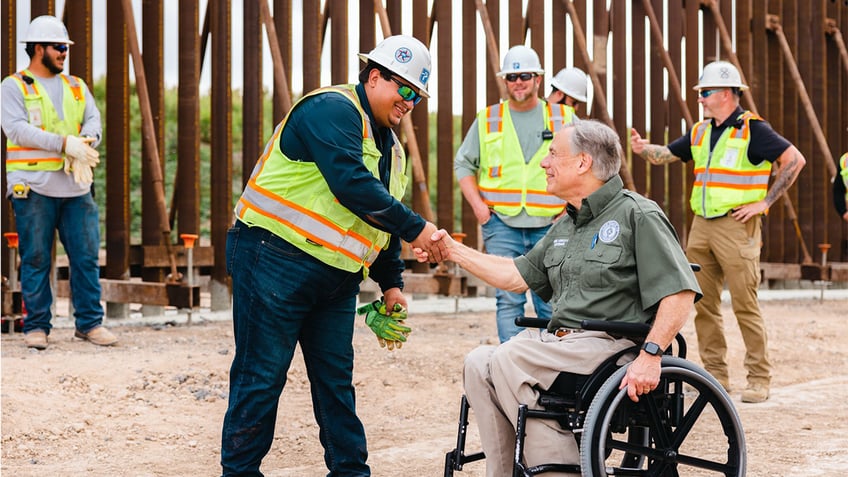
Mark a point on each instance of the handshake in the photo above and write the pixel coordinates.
(432, 244)
(80, 158)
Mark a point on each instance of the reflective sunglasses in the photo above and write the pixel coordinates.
(406, 92)
(512, 77)
(708, 93)
(60, 47)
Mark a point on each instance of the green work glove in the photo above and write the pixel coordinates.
(389, 327)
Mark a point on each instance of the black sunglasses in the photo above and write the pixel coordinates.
(60, 47)
(406, 92)
(512, 77)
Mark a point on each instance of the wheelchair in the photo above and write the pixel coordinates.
(687, 426)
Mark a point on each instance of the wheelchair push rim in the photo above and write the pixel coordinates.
(687, 426)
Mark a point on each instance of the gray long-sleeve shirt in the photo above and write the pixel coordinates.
(16, 126)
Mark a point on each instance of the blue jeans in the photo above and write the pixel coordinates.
(505, 241)
(37, 218)
(282, 297)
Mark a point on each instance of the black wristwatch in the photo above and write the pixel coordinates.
(652, 348)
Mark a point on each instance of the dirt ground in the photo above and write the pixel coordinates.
(153, 405)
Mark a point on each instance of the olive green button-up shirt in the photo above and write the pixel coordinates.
(615, 259)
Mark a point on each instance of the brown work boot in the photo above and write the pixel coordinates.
(36, 339)
(755, 392)
(99, 336)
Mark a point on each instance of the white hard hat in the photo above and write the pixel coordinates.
(571, 81)
(47, 29)
(405, 56)
(521, 59)
(720, 74)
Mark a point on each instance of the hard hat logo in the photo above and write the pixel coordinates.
(516, 66)
(425, 75)
(403, 55)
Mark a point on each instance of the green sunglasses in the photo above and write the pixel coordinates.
(406, 92)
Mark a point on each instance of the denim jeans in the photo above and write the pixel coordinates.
(282, 297)
(37, 218)
(505, 241)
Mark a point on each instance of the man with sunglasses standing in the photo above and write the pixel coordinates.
(733, 151)
(52, 125)
(321, 211)
(498, 170)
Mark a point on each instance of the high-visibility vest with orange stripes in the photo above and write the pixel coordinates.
(293, 200)
(506, 182)
(843, 165)
(724, 177)
(42, 114)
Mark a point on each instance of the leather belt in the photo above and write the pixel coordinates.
(560, 332)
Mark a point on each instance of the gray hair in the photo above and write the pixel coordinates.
(599, 141)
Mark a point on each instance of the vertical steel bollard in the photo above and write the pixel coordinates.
(188, 240)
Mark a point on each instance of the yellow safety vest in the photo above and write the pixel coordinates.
(293, 200)
(506, 182)
(43, 115)
(724, 177)
(843, 165)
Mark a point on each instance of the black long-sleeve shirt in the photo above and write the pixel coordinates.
(327, 129)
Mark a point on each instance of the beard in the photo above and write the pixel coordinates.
(50, 65)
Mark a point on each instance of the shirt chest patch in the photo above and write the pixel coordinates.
(609, 231)
(560, 242)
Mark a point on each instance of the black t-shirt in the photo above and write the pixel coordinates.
(765, 145)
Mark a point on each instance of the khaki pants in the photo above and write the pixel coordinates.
(729, 250)
(498, 379)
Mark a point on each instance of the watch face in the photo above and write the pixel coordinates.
(652, 348)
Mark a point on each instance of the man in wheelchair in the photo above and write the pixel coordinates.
(614, 257)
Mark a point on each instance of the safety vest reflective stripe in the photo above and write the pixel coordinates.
(494, 119)
(513, 197)
(543, 199)
(29, 88)
(312, 226)
(556, 118)
(500, 196)
(74, 85)
(700, 129)
(743, 180)
(28, 154)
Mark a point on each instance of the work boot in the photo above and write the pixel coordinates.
(36, 339)
(99, 336)
(755, 392)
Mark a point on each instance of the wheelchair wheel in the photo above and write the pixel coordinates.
(692, 427)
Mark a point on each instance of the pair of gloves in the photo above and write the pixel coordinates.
(388, 326)
(81, 158)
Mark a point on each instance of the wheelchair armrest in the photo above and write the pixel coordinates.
(628, 330)
(529, 322)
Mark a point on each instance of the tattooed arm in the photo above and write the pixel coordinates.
(789, 165)
(654, 154)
